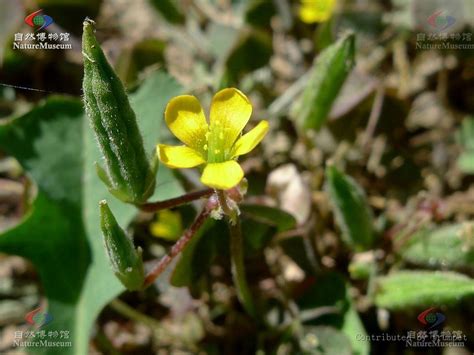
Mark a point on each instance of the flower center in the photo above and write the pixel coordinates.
(218, 146)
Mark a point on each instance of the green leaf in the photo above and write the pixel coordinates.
(445, 246)
(330, 289)
(329, 71)
(323, 36)
(297, 248)
(259, 13)
(465, 137)
(466, 162)
(170, 10)
(353, 214)
(134, 59)
(239, 62)
(221, 40)
(422, 288)
(149, 104)
(61, 232)
(275, 217)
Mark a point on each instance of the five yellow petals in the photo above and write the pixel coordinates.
(218, 144)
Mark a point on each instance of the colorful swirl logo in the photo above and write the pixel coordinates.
(38, 318)
(431, 318)
(38, 19)
(440, 22)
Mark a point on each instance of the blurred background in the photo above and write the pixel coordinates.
(402, 127)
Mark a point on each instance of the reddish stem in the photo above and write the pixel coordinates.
(181, 243)
(173, 202)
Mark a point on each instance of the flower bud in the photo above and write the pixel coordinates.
(126, 261)
(128, 173)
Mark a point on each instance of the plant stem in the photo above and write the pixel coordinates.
(129, 312)
(237, 266)
(237, 253)
(180, 244)
(177, 201)
(231, 213)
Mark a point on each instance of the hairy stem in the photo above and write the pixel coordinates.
(174, 202)
(180, 244)
(237, 266)
(237, 254)
(231, 213)
(129, 312)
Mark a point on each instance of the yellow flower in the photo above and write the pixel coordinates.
(167, 225)
(312, 11)
(217, 145)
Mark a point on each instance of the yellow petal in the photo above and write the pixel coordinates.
(250, 139)
(222, 176)
(179, 156)
(230, 112)
(312, 11)
(168, 225)
(185, 118)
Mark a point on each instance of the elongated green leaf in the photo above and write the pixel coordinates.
(239, 62)
(282, 220)
(422, 288)
(134, 59)
(465, 137)
(61, 233)
(447, 246)
(259, 13)
(353, 214)
(170, 10)
(330, 70)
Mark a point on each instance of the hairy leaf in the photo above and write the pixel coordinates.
(61, 232)
(422, 288)
(353, 214)
(329, 71)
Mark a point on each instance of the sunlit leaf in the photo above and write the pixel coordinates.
(327, 75)
(422, 288)
(61, 232)
(353, 214)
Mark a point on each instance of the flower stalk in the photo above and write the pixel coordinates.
(175, 202)
(237, 266)
(182, 242)
(237, 252)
